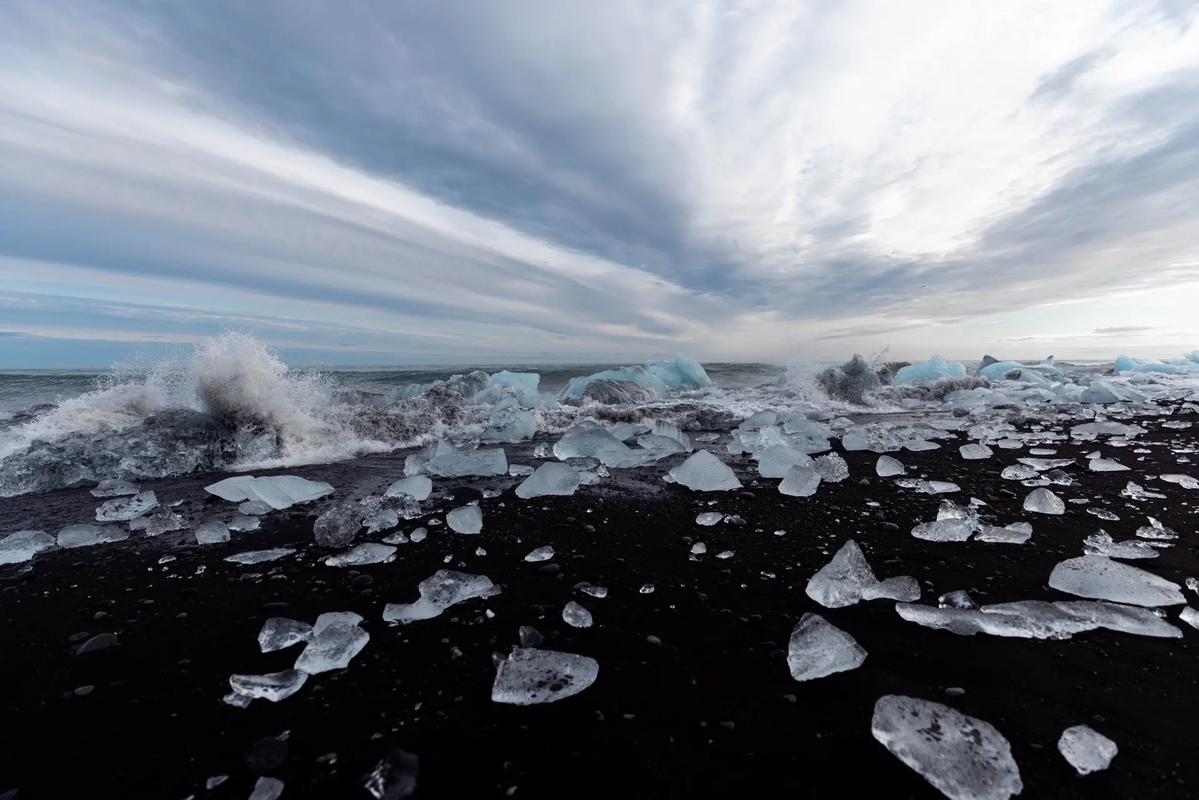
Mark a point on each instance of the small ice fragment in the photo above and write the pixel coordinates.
(338, 525)
(1156, 530)
(394, 777)
(709, 518)
(530, 676)
(243, 523)
(438, 592)
(277, 491)
(646, 588)
(599, 592)
(21, 546)
(465, 520)
(1043, 501)
(419, 534)
(1015, 533)
(704, 472)
(360, 555)
(1103, 579)
(1103, 514)
(818, 648)
(576, 616)
(114, 488)
(333, 645)
(251, 557)
(267, 789)
(273, 686)
(540, 554)
(975, 451)
(162, 522)
(1042, 464)
(279, 633)
(725, 554)
(832, 468)
(88, 535)
(1185, 481)
(801, 481)
(945, 530)
(1105, 465)
(551, 478)
(848, 579)
(212, 531)
(1086, 749)
(886, 467)
(418, 487)
(964, 757)
(698, 549)
(123, 509)
(1190, 616)
(1018, 472)
(255, 508)
(519, 470)
(1102, 544)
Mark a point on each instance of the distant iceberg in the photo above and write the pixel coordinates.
(935, 369)
(1175, 367)
(662, 378)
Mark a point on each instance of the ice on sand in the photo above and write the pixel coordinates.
(24, 545)
(418, 487)
(279, 633)
(114, 488)
(212, 531)
(1043, 501)
(1185, 481)
(1102, 544)
(465, 520)
(267, 789)
(1105, 465)
(367, 553)
(277, 491)
(975, 452)
(704, 472)
(928, 487)
(336, 639)
(963, 757)
(1038, 619)
(708, 518)
(1014, 533)
(887, 467)
(540, 554)
(1101, 578)
(124, 509)
(819, 648)
(338, 525)
(551, 478)
(1086, 749)
(776, 461)
(443, 459)
(88, 535)
(832, 468)
(801, 481)
(530, 676)
(251, 557)
(274, 686)
(438, 592)
(848, 579)
(576, 616)
(945, 530)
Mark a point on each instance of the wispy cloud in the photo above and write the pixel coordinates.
(634, 178)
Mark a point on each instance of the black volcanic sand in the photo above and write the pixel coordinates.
(710, 711)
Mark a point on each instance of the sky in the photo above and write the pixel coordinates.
(478, 182)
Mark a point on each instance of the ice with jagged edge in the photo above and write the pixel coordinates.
(848, 579)
(467, 520)
(1039, 619)
(1085, 749)
(438, 592)
(363, 554)
(888, 467)
(660, 378)
(550, 478)
(274, 686)
(443, 459)
(123, 509)
(801, 481)
(704, 472)
(277, 491)
(20, 546)
(1101, 578)
(279, 633)
(336, 639)
(818, 648)
(418, 487)
(84, 535)
(251, 557)
(963, 757)
(1102, 544)
(1043, 501)
(529, 676)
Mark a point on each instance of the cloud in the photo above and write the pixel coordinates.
(446, 181)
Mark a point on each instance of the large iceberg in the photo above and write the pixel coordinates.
(935, 369)
(660, 377)
(1178, 366)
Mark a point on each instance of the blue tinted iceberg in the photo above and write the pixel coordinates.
(935, 369)
(660, 377)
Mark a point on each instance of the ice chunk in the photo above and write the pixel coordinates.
(418, 487)
(1102, 544)
(242, 523)
(251, 557)
(443, 459)
(576, 616)
(670, 430)
(114, 488)
(254, 508)
(212, 531)
(540, 554)
(963, 757)
(394, 777)
(709, 518)
(1037, 619)
(1042, 464)
(1190, 616)
(274, 686)
(887, 467)
(935, 369)
(21, 546)
(367, 553)
(928, 487)
(1018, 472)
(465, 520)
(1015, 533)
(658, 378)
(551, 478)
(1043, 501)
(267, 789)
(1086, 749)
(277, 491)
(591, 441)
(437, 593)
(801, 481)
(159, 523)
(1103, 579)
(1156, 530)
(124, 509)
(819, 648)
(975, 452)
(945, 530)
(530, 676)
(1185, 481)
(1092, 430)
(1105, 465)
(848, 579)
(279, 633)
(776, 461)
(336, 639)
(832, 468)
(88, 535)
(704, 472)
(338, 525)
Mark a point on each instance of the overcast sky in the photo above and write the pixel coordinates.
(462, 181)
